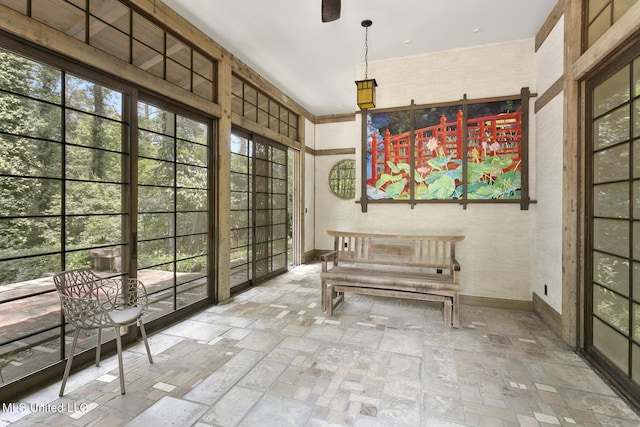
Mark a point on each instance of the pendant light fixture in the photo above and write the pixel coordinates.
(366, 87)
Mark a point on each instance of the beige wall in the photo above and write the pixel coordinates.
(497, 253)
(308, 205)
(547, 260)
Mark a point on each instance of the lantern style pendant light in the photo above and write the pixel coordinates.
(366, 87)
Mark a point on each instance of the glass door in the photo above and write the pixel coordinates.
(270, 230)
(259, 209)
(173, 207)
(613, 293)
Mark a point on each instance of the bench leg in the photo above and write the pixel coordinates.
(456, 311)
(328, 299)
(323, 290)
(447, 314)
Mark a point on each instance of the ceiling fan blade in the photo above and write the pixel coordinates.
(330, 10)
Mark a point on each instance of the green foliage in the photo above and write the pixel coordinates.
(486, 179)
(45, 173)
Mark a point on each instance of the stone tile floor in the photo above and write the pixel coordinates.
(269, 357)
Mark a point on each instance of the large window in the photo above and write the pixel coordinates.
(63, 203)
(76, 191)
(601, 15)
(173, 207)
(259, 209)
(117, 29)
(613, 292)
(471, 151)
(255, 105)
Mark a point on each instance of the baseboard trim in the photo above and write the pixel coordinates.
(310, 256)
(548, 315)
(496, 303)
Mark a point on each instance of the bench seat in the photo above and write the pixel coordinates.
(413, 267)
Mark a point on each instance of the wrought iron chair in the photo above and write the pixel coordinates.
(91, 302)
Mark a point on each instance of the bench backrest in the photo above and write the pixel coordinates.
(394, 249)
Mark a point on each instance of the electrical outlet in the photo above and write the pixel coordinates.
(346, 245)
(545, 289)
(439, 271)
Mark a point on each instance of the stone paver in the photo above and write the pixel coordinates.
(270, 357)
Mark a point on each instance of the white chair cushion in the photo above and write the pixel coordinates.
(126, 316)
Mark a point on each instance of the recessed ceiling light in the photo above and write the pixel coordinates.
(476, 30)
(407, 41)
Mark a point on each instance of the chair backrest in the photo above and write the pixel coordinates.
(79, 283)
(79, 297)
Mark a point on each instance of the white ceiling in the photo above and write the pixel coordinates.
(316, 63)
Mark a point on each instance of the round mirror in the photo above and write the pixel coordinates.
(342, 179)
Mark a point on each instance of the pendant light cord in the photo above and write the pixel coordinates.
(366, 52)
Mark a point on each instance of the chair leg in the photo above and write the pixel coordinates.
(447, 308)
(119, 348)
(98, 346)
(144, 338)
(67, 368)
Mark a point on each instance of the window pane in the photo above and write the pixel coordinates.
(155, 199)
(86, 231)
(89, 164)
(28, 236)
(30, 157)
(636, 77)
(636, 239)
(611, 128)
(636, 201)
(31, 118)
(155, 172)
(191, 200)
(614, 345)
(155, 225)
(109, 39)
(611, 164)
(202, 87)
(93, 131)
(202, 65)
(93, 98)
(192, 222)
(191, 176)
(148, 33)
(612, 272)
(188, 246)
(636, 114)
(178, 75)
(598, 27)
(60, 15)
(636, 158)
(111, 12)
(29, 196)
(611, 236)
(156, 120)
(93, 198)
(635, 351)
(612, 93)
(148, 59)
(177, 51)
(612, 308)
(636, 280)
(19, 5)
(611, 200)
(595, 7)
(239, 190)
(636, 322)
(31, 78)
(155, 146)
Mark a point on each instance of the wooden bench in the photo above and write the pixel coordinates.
(392, 265)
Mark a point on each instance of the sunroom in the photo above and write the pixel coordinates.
(134, 144)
